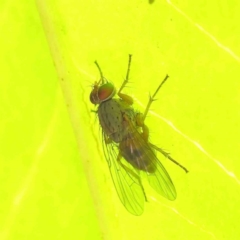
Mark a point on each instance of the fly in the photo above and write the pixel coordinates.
(126, 146)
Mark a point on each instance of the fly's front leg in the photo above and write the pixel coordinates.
(100, 71)
(125, 97)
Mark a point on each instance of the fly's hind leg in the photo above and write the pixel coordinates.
(140, 118)
(145, 135)
(125, 97)
(167, 155)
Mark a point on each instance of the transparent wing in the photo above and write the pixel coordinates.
(142, 156)
(125, 178)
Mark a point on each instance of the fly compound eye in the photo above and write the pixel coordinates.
(105, 92)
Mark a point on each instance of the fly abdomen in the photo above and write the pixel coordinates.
(139, 156)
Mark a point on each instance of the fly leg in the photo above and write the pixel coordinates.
(101, 74)
(152, 98)
(125, 97)
(140, 123)
(167, 155)
(140, 118)
(145, 135)
(132, 173)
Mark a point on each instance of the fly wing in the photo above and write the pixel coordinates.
(125, 178)
(145, 159)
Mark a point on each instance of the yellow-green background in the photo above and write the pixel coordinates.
(54, 181)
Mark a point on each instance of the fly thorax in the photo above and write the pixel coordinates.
(111, 119)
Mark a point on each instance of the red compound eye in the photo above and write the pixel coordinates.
(105, 92)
